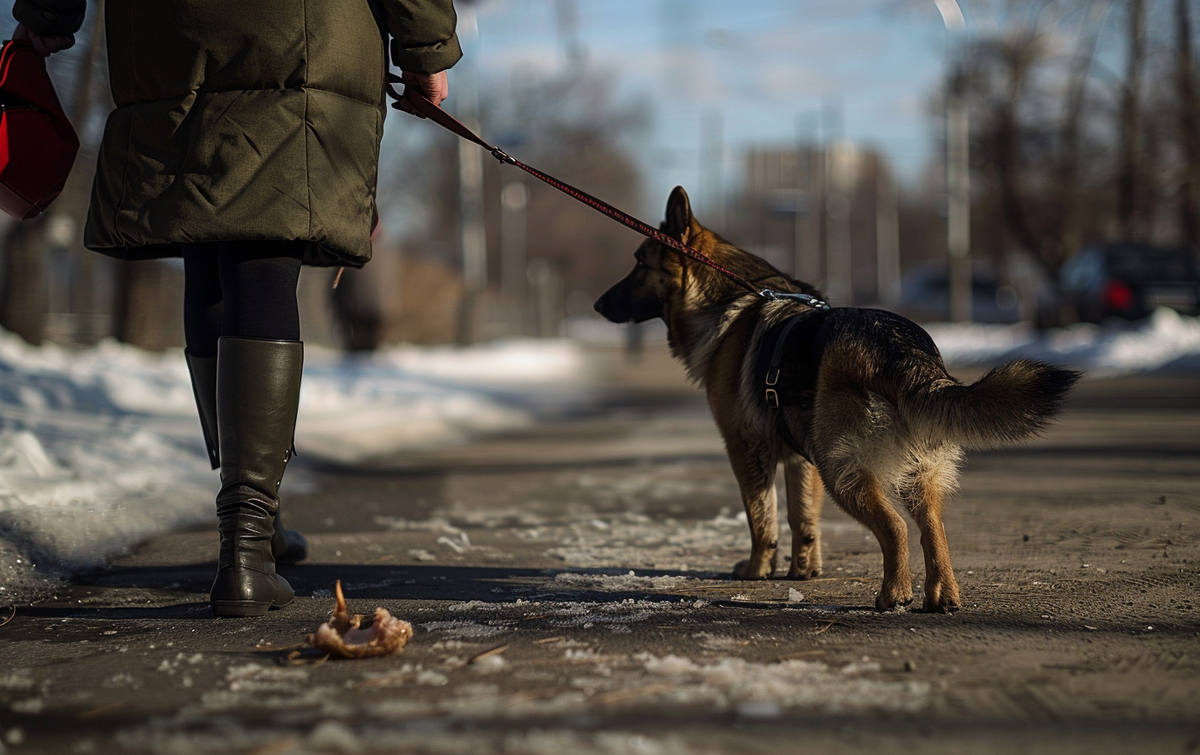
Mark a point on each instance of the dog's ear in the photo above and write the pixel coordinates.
(679, 215)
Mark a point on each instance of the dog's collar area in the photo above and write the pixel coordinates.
(808, 299)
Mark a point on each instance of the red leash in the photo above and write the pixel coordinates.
(427, 109)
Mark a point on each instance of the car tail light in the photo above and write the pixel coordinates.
(1118, 295)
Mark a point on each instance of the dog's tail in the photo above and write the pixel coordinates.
(1008, 404)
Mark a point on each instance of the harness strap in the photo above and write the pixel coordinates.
(771, 380)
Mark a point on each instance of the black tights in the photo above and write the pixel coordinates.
(245, 289)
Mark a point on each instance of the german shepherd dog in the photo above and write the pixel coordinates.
(863, 406)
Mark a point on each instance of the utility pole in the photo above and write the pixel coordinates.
(840, 169)
(472, 232)
(887, 238)
(566, 21)
(514, 203)
(806, 230)
(958, 184)
(958, 175)
(712, 168)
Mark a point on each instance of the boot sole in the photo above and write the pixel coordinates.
(242, 608)
(239, 608)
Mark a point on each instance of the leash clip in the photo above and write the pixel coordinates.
(808, 299)
(503, 156)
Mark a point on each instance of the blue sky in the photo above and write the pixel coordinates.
(764, 69)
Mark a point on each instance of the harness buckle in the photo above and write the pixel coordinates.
(772, 375)
(772, 399)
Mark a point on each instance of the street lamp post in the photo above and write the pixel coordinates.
(958, 176)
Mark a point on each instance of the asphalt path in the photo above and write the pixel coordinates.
(569, 590)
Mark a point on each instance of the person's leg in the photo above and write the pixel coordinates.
(202, 298)
(259, 364)
(202, 308)
(258, 280)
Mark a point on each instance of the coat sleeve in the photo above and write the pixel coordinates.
(50, 16)
(423, 36)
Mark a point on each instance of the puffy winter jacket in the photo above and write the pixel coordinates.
(247, 119)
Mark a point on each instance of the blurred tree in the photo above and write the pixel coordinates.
(1130, 216)
(1189, 125)
(22, 293)
(574, 129)
(1069, 151)
(1002, 72)
(1044, 151)
(568, 124)
(147, 303)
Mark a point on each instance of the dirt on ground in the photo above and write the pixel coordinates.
(569, 590)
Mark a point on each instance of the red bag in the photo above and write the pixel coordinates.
(37, 142)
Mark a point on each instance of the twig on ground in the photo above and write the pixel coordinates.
(488, 654)
(802, 655)
(622, 695)
(298, 658)
(824, 629)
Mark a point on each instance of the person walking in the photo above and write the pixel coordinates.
(245, 140)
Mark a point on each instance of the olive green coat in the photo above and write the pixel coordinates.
(251, 119)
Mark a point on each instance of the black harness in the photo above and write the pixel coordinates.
(796, 334)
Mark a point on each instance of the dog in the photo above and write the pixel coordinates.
(855, 402)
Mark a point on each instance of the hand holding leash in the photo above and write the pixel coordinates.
(44, 44)
(434, 88)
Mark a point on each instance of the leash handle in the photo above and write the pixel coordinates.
(423, 107)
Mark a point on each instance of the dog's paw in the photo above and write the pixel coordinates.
(803, 570)
(940, 607)
(941, 598)
(749, 570)
(805, 562)
(893, 597)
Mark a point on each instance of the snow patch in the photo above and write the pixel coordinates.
(101, 448)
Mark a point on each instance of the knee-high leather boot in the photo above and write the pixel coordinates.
(258, 394)
(288, 546)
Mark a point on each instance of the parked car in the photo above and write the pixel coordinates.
(1130, 281)
(925, 295)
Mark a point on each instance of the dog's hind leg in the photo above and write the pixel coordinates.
(851, 437)
(863, 499)
(804, 497)
(924, 494)
(754, 468)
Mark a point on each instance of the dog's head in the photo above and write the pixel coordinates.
(658, 274)
(665, 282)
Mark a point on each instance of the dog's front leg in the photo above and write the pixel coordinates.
(805, 494)
(754, 468)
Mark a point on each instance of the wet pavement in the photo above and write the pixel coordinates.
(569, 591)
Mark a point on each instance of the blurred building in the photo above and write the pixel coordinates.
(825, 214)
